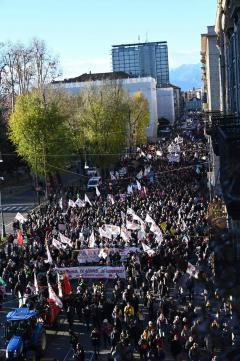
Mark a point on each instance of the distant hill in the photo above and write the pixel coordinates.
(186, 76)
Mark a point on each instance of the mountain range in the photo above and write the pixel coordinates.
(186, 76)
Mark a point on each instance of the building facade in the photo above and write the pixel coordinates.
(228, 40)
(142, 60)
(169, 102)
(228, 128)
(146, 85)
(210, 70)
(211, 98)
(193, 104)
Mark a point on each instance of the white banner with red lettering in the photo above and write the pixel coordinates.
(94, 272)
(88, 255)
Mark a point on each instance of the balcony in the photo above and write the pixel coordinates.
(229, 150)
(212, 121)
(217, 216)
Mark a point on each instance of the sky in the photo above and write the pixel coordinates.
(81, 32)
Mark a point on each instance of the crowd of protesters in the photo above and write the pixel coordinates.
(168, 303)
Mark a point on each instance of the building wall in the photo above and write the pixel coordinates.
(146, 85)
(213, 74)
(165, 104)
(210, 69)
(193, 104)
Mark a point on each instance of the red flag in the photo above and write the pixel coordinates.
(66, 284)
(20, 238)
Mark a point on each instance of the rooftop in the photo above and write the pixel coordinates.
(136, 44)
(169, 85)
(21, 314)
(97, 76)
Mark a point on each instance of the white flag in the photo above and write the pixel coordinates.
(61, 203)
(57, 244)
(80, 203)
(21, 300)
(147, 249)
(132, 226)
(71, 203)
(191, 270)
(139, 187)
(111, 199)
(87, 200)
(155, 229)
(49, 257)
(104, 234)
(65, 240)
(60, 291)
(36, 284)
(114, 230)
(138, 219)
(148, 219)
(129, 189)
(141, 234)
(159, 237)
(54, 297)
(91, 243)
(147, 170)
(112, 175)
(123, 217)
(140, 175)
(124, 234)
(130, 211)
(97, 192)
(19, 217)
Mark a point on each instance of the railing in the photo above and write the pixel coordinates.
(217, 120)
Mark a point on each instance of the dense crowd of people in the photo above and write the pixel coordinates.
(168, 302)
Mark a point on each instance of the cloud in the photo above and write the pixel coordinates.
(73, 68)
(183, 57)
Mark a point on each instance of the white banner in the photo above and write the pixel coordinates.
(88, 255)
(19, 217)
(95, 272)
(112, 229)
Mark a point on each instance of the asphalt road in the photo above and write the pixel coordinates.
(58, 339)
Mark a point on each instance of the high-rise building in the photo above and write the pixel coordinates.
(142, 59)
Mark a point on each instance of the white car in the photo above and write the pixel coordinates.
(94, 182)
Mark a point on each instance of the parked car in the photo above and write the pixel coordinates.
(94, 182)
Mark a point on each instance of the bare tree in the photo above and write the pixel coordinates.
(46, 66)
(25, 67)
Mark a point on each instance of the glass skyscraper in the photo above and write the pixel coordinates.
(142, 59)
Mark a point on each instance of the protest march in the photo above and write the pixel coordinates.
(143, 234)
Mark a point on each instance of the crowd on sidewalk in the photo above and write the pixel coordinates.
(167, 302)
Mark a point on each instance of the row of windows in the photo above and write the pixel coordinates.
(233, 61)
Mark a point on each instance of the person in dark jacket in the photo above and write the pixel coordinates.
(176, 347)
